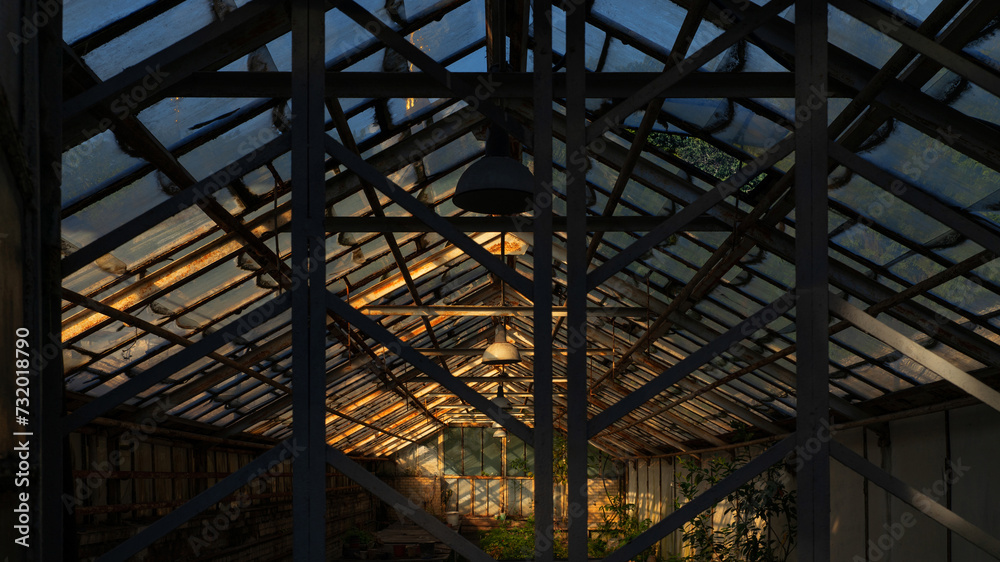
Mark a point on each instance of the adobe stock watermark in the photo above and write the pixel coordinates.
(913, 168)
(31, 25)
(265, 312)
(121, 107)
(894, 532)
(895, 19)
(259, 482)
(101, 471)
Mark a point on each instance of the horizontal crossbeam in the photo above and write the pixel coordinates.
(383, 225)
(505, 84)
(522, 311)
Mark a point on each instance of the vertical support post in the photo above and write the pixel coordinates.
(812, 317)
(542, 253)
(576, 264)
(308, 283)
(53, 534)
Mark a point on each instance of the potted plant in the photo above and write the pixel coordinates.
(358, 540)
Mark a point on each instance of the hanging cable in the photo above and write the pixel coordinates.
(648, 301)
(127, 350)
(277, 250)
(348, 285)
(503, 295)
(613, 349)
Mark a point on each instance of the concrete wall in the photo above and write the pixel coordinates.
(867, 524)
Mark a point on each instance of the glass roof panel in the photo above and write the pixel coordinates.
(986, 48)
(89, 165)
(859, 39)
(100, 218)
(149, 38)
(965, 96)
(886, 209)
(83, 17)
(226, 282)
(931, 164)
(175, 120)
(461, 27)
(624, 58)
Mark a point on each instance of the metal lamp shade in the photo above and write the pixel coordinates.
(500, 352)
(502, 403)
(495, 185)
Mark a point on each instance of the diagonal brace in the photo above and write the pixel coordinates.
(476, 96)
(877, 329)
(686, 366)
(455, 385)
(919, 199)
(689, 213)
(343, 464)
(929, 507)
(895, 27)
(640, 98)
(401, 197)
(175, 363)
(704, 501)
(242, 477)
(192, 195)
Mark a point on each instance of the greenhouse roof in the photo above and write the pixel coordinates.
(177, 214)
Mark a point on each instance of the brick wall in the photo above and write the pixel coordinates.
(122, 489)
(424, 491)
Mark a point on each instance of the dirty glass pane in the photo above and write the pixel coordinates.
(492, 463)
(149, 38)
(83, 17)
(465, 496)
(473, 450)
(453, 451)
(515, 453)
(481, 497)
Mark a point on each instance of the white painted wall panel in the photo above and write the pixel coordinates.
(975, 449)
(918, 453)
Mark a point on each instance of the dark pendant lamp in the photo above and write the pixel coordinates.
(501, 402)
(496, 184)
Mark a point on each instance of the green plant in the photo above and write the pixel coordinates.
(516, 541)
(702, 155)
(620, 526)
(759, 517)
(359, 538)
(446, 494)
(559, 466)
